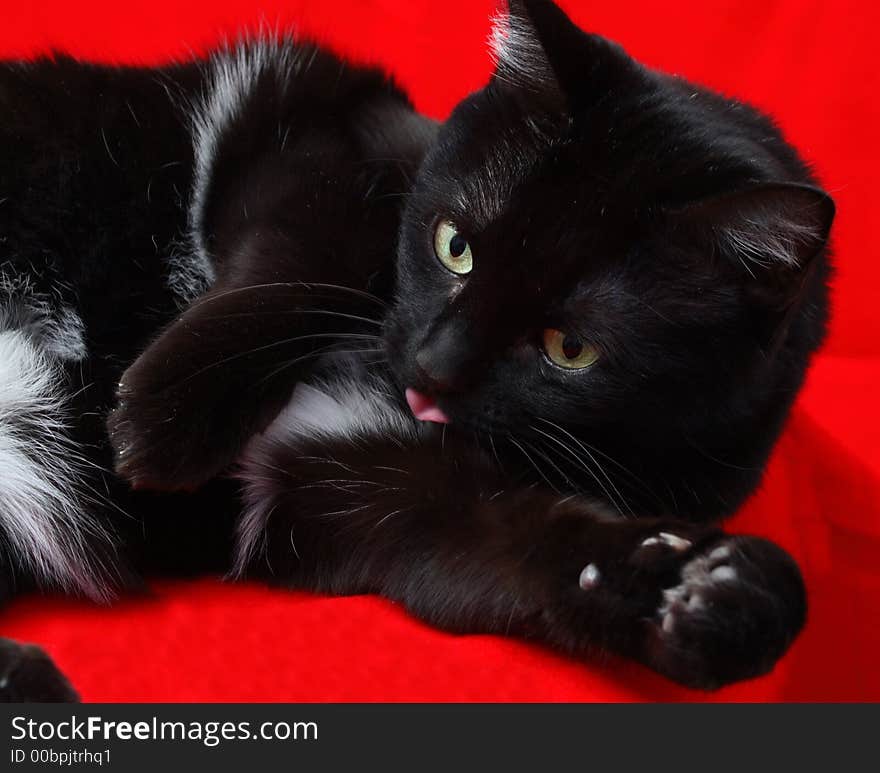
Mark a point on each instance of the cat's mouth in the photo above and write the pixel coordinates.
(424, 407)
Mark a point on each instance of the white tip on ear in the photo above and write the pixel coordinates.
(770, 238)
(768, 227)
(519, 58)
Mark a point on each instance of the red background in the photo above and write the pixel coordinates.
(812, 64)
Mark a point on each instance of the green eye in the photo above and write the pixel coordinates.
(568, 351)
(452, 249)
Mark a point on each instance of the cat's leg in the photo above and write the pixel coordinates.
(302, 238)
(443, 535)
(27, 673)
(292, 284)
(223, 370)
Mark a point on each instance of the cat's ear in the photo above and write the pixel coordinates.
(538, 49)
(771, 232)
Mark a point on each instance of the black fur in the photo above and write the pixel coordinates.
(673, 230)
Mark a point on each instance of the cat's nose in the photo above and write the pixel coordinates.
(431, 375)
(446, 358)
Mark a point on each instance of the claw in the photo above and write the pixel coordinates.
(590, 577)
(679, 544)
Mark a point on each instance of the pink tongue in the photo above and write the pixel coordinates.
(424, 408)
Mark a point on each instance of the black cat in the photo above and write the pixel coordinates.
(509, 371)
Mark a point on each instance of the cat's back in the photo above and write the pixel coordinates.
(95, 167)
(114, 180)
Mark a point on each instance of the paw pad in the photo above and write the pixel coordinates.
(698, 577)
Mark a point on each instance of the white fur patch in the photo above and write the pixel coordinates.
(773, 228)
(190, 273)
(345, 408)
(51, 324)
(518, 55)
(63, 336)
(338, 409)
(44, 524)
(770, 240)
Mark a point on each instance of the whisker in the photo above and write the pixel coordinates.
(614, 501)
(317, 353)
(346, 512)
(282, 342)
(295, 551)
(328, 460)
(494, 450)
(391, 469)
(549, 461)
(392, 513)
(325, 312)
(303, 285)
(587, 447)
(290, 363)
(532, 462)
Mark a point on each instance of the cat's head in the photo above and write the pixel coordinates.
(597, 255)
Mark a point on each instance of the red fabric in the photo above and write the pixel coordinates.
(813, 65)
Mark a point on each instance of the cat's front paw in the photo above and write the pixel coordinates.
(736, 607)
(27, 674)
(162, 440)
